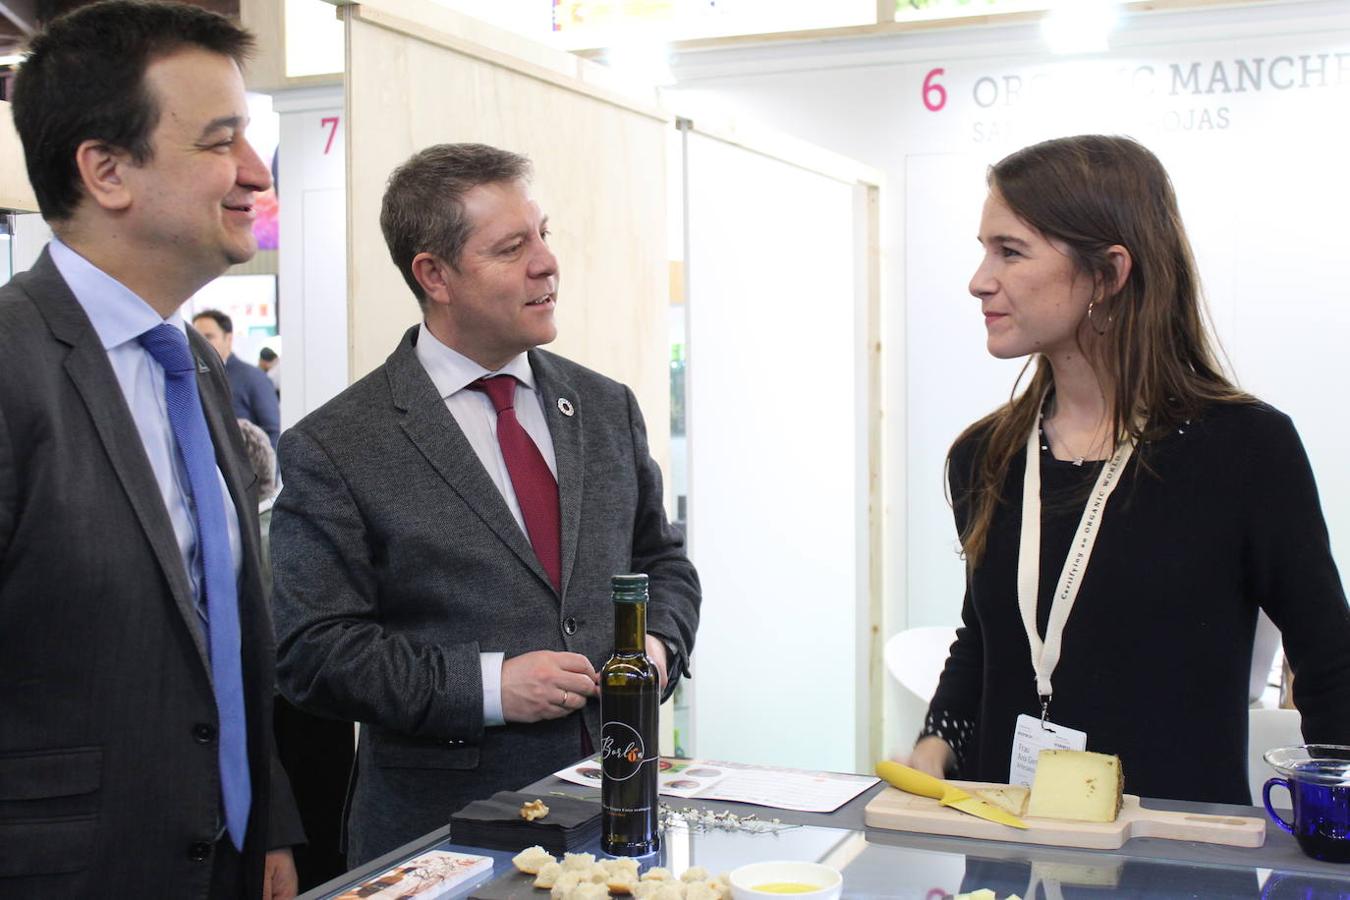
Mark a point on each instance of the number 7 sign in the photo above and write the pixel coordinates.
(331, 123)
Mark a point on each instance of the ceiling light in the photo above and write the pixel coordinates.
(642, 61)
(1079, 26)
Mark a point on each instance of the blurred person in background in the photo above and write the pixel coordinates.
(254, 397)
(270, 363)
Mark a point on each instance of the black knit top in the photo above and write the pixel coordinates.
(1221, 518)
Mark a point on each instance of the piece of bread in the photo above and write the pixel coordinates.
(621, 882)
(578, 860)
(587, 890)
(657, 873)
(701, 890)
(531, 859)
(567, 880)
(548, 874)
(695, 873)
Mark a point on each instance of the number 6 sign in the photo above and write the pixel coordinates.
(934, 94)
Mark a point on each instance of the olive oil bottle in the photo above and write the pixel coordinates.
(630, 696)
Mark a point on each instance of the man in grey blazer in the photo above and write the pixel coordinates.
(136, 651)
(442, 547)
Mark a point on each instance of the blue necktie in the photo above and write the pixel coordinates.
(169, 347)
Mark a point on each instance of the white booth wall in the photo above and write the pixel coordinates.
(311, 187)
(776, 514)
(1248, 108)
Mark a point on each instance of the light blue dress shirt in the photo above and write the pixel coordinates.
(119, 316)
(452, 372)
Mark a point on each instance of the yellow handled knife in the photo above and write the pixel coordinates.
(915, 782)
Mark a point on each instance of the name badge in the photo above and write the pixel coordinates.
(1031, 737)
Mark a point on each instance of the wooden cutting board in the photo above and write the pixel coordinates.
(896, 810)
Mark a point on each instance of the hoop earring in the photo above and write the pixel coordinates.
(1091, 305)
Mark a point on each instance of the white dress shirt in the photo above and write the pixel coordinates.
(452, 372)
(119, 316)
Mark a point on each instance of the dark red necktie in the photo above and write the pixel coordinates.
(536, 488)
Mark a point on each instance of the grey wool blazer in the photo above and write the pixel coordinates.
(397, 562)
(109, 779)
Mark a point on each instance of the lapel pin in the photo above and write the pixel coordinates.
(565, 406)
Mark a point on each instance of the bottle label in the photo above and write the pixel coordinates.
(622, 751)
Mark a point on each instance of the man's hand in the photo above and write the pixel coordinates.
(279, 879)
(656, 652)
(546, 684)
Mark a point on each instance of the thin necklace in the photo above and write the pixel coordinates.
(1078, 458)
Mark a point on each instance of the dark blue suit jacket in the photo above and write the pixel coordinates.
(254, 397)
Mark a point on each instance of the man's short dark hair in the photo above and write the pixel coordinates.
(225, 322)
(84, 79)
(423, 209)
(267, 354)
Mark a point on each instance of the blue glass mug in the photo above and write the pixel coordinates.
(1317, 777)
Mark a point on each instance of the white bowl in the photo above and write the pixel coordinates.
(746, 879)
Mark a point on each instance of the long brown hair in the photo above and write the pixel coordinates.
(1152, 348)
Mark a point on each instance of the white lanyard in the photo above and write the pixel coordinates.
(1045, 655)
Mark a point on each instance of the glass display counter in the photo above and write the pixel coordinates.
(877, 863)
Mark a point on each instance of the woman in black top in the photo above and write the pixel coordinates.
(1210, 509)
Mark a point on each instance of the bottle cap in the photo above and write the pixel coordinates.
(629, 588)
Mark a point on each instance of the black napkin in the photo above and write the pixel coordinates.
(496, 824)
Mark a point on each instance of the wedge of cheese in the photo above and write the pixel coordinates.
(1012, 798)
(1078, 785)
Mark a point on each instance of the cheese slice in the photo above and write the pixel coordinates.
(1076, 784)
(1012, 798)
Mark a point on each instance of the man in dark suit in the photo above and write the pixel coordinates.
(136, 651)
(254, 397)
(449, 524)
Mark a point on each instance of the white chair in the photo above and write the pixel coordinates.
(1265, 647)
(915, 658)
(1266, 730)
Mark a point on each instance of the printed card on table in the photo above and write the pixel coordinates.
(741, 783)
(433, 874)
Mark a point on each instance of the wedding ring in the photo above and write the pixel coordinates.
(564, 699)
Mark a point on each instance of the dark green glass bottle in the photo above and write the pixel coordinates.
(630, 696)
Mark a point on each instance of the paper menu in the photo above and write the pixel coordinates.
(780, 788)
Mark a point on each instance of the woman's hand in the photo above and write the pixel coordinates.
(932, 755)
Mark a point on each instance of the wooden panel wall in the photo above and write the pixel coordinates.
(599, 173)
